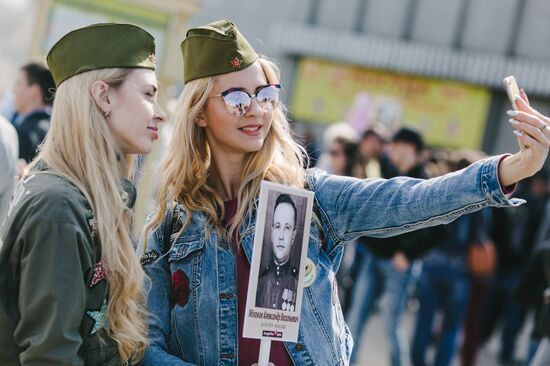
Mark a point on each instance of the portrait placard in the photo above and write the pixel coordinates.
(276, 283)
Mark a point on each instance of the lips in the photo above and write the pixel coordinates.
(154, 132)
(251, 130)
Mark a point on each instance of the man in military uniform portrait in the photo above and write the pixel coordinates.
(278, 281)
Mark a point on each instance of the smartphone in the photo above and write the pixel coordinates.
(511, 86)
(512, 89)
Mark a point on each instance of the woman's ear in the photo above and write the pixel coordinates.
(201, 119)
(100, 93)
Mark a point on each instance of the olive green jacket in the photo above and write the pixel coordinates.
(53, 287)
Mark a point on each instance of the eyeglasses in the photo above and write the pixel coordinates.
(238, 100)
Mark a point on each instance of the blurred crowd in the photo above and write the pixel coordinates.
(484, 273)
(480, 275)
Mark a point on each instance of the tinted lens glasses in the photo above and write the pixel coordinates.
(238, 100)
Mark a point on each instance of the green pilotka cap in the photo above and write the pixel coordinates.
(214, 49)
(101, 46)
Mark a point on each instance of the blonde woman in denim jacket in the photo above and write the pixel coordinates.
(223, 145)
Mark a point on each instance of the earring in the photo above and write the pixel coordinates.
(106, 113)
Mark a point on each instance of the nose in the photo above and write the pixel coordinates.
(159, 116)
(255, 109)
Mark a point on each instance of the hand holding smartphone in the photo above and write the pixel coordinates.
(512, 89)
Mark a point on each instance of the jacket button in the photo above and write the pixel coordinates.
(226, 296)
(299, 347)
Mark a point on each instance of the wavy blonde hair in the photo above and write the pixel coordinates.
(187, 161)
(81, 147)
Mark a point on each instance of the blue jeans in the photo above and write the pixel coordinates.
(447, 289)
(375, 277)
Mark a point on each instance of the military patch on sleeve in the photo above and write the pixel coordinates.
(99, 318)
(149, 257)
(100, 273)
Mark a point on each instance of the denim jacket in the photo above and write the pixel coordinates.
(203, 329)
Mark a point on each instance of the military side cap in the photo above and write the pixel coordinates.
(101, 46)
(214, 49)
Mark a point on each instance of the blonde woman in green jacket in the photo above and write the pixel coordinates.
(70, 285)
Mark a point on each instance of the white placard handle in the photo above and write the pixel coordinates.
(265, 349)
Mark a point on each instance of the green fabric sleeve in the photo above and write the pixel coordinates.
(54, 258)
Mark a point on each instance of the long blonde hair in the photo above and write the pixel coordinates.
(81, 147)
(187, 162)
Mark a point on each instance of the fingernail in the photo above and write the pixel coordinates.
(513, 122)
(512, 113)
(518, 133)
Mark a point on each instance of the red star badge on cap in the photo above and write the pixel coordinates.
(236, 63)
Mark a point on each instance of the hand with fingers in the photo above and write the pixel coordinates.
(533, 134)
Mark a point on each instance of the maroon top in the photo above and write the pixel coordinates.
(249, 349)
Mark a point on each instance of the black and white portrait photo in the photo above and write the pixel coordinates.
(277, 269)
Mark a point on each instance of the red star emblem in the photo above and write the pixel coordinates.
(236, 63)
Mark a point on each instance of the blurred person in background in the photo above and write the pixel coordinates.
(534, 290)
(33, 94)
(444, 284)
(343, 159)
(8, 164)
(71, 287)
(387, 267)
(514, 233)
(479, 279)
(339, 129)
(372, 153)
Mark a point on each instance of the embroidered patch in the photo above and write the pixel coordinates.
(99, 318)
(236, 63)
(100, 273)
(180, 288)
(149, 258)
(93, 226)
(310, 273)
